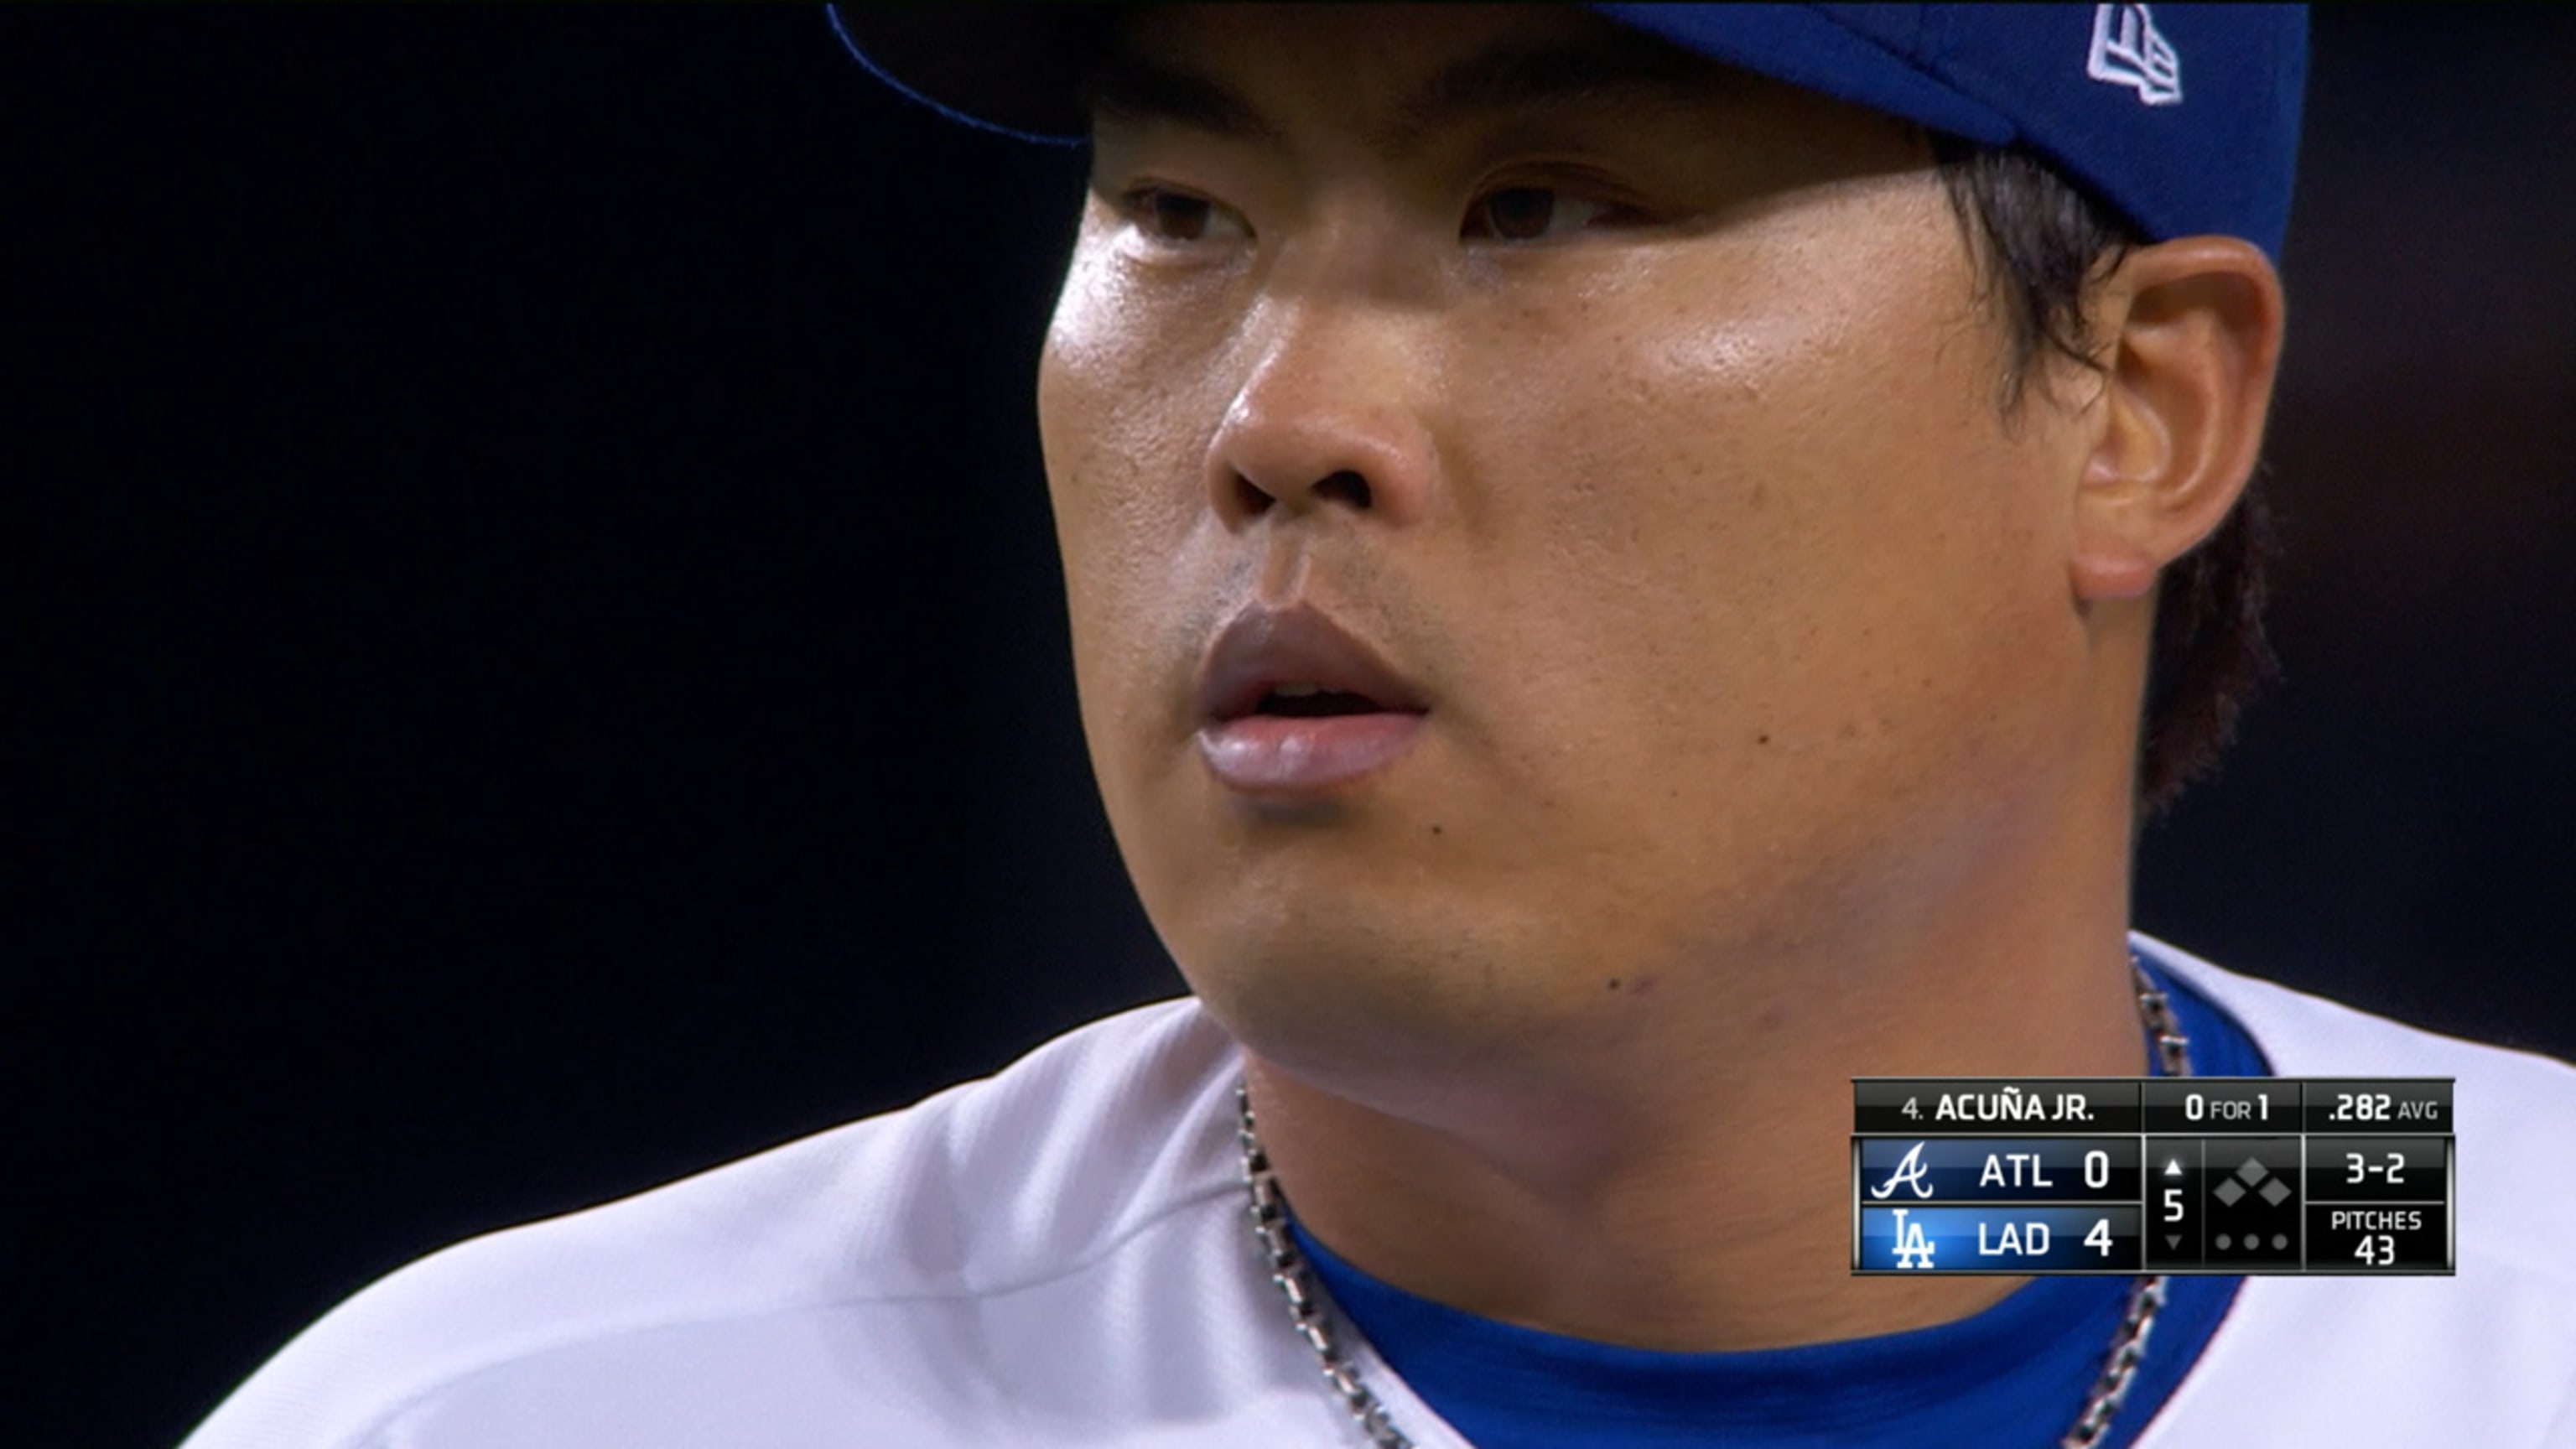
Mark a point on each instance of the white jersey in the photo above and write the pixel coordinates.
(1058, 1256)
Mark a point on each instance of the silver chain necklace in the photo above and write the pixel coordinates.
(1306, 1311)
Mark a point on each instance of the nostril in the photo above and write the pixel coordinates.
(1345, 486)
(1251, 500)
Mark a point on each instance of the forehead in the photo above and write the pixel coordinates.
(1396, 74)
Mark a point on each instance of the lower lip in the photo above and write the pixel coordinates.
(1265, 754)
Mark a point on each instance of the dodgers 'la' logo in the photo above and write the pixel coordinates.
(1909, 1173)
(1913, 1250)
(2129, 51)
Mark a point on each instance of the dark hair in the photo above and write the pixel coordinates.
(2045, 241)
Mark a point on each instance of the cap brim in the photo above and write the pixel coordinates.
(1808, 48)
(1018, 69)
(1015, 69)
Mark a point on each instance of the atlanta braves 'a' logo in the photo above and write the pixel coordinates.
(1909, 1173)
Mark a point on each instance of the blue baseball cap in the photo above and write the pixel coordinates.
(2183, 117)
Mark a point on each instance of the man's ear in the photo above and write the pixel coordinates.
(2192, 334)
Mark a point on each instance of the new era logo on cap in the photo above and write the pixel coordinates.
(2129, 51)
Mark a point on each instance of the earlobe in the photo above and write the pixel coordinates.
(2109, 567)
(2193, 336)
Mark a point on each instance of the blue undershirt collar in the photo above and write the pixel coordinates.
(2012, 1375)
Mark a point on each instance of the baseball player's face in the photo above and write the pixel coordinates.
(1637, 418)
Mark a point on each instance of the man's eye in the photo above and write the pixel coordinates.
(1532, 213)
(1177, 216)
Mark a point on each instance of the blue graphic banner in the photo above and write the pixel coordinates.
(1997, 1239)
(1902, 1171)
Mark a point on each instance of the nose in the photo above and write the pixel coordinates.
(1328, 418)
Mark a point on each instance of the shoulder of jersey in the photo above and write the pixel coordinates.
(2514, 1112)
(981, 1190)
(2487, 1356)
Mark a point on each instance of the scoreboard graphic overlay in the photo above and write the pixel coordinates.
(2232, 1175)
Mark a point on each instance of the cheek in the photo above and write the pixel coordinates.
(1759, 494)
(1126, 407)
(1114, 413)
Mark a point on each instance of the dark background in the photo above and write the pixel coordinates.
(543, 667)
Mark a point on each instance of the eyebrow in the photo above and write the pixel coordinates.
(1615, 71)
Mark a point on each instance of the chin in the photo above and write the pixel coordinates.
(1335, 991)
